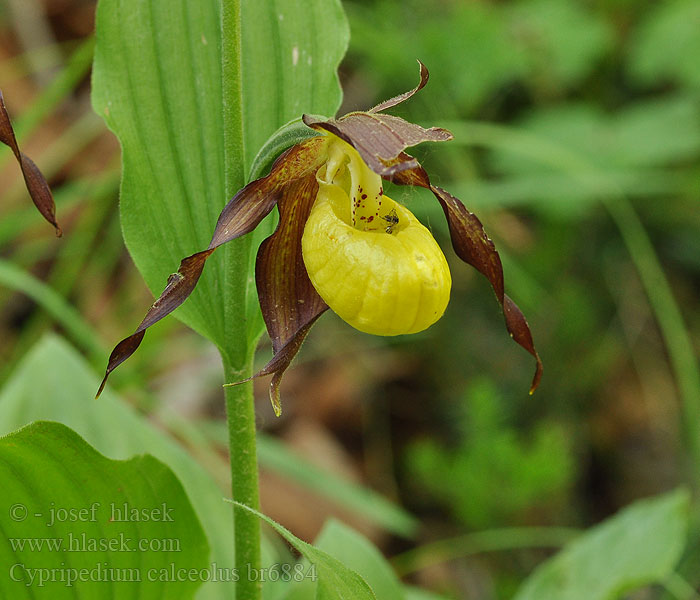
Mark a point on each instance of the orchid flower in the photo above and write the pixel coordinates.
(341, 243)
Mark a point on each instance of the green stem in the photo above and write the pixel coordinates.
(240, 414)
(237, 356)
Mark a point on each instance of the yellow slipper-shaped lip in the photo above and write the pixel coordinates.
(386, 277)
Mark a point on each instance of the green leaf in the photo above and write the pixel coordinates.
(638, 546)
(295, 70)
(335, 580)
(357, 553)
(285, 137)
(53, 382)
(69, 528)
(157, 83)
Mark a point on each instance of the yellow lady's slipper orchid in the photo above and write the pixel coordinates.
(368, 257)
(341, 243)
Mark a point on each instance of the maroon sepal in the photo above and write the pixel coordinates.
(474, 247)
(288, 300)
(36, 183)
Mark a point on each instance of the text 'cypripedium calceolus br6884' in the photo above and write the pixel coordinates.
(341, 243)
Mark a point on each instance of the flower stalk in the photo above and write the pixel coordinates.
(237, 358)
(240, 416)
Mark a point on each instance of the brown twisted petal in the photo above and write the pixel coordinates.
(280, 361)
(36, 184)
(474, 247)
(380, 138)
(289, 302)
(424, 75)
(241, 215)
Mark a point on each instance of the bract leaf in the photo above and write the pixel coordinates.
(335, 580)
(285, 137)
(36, 183)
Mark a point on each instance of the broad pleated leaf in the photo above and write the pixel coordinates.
(639, 546)
(291, 52)
(70, 510)
(157, 83)
(53, 382)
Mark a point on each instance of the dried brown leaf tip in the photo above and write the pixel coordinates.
(342, 244)
(36, 184)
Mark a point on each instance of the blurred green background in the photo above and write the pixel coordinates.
(577, 139)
